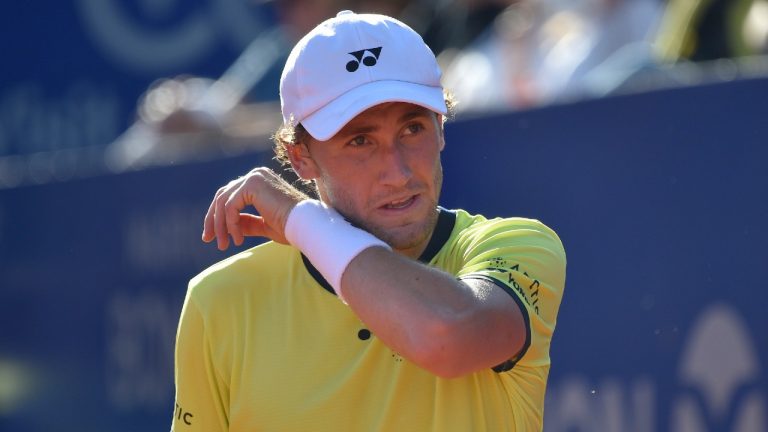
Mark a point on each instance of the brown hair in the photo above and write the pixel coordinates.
(289, 134)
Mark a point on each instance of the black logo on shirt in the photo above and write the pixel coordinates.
(361, 57)
(182, 415)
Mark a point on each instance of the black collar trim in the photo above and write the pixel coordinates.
(446, 220)
(443, 229)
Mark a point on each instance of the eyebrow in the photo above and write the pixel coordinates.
(411, 114)
(358, 130)
(416, 112)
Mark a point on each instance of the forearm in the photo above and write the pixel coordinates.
(427, 315)
(445, 325)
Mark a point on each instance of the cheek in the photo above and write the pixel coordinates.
(429, 162)
(342, 192)
(438, 177)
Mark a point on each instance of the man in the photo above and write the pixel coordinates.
(372, 308)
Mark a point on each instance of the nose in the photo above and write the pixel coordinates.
(395, 168)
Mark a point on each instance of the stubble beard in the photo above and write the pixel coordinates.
(416, 235)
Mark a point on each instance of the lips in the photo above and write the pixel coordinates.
(399, 204)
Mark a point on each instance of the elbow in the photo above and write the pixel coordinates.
(440, 350)
(465, 343)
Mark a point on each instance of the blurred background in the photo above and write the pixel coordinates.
(636, 129)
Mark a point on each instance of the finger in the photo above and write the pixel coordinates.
(255, 226)
(211, 227)
(208, 229)
(232, 208)
(220, 224)
(252, 225)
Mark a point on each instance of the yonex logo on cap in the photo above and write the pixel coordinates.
(368, 60)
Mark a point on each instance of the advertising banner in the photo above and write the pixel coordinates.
(659, 199)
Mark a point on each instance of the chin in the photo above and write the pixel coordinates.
(408, 236)
(409, 231)
(400, 241)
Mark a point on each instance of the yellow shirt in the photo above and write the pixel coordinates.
(264, 345)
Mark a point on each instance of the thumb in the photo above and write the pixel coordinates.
(254, 226)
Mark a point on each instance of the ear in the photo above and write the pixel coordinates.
(440, 130)
(302, 162)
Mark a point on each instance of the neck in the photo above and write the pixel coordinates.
(416, 251)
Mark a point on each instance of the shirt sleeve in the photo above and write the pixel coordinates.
(201, 395)
(526, 259)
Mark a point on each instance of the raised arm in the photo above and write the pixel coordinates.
(447, 326)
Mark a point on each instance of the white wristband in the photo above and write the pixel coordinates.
(327, 239)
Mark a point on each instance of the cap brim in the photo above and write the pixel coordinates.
(324, 123)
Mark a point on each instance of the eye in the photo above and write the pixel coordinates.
(413, 128)
(358, 141)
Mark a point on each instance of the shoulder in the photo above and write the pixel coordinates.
(473, 231)
(525, 258)
(233, 278)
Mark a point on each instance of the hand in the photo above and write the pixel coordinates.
(271, 196)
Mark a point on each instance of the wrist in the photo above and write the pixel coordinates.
(327, 239)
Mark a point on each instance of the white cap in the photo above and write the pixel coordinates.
(352, 62)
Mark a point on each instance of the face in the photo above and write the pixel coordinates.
(382, 172)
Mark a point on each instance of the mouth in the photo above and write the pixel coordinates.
(400, 204)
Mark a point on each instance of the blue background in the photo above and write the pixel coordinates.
(660, 200)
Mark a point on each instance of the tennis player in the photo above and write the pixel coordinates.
(372, 308)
